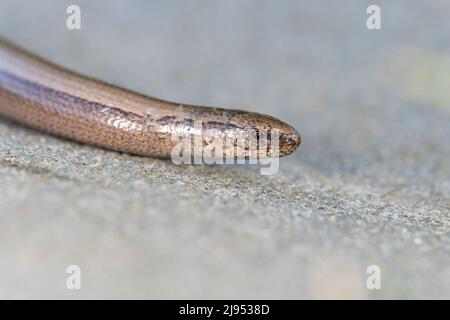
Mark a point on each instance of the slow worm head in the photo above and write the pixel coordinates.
(47, 97)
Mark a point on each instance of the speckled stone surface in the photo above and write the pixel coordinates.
(369, 185)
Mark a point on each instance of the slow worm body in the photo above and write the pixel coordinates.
(47, 97)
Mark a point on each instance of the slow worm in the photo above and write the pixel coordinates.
(46, 97)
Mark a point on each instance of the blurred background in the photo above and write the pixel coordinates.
(370, 184)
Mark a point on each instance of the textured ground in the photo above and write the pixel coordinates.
(369, 185)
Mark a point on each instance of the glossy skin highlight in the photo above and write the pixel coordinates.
(47, 97)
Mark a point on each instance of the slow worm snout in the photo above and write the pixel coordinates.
(44, 96)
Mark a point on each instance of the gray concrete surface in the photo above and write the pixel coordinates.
(369, 185)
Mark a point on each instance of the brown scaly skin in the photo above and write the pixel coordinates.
(49, 98)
